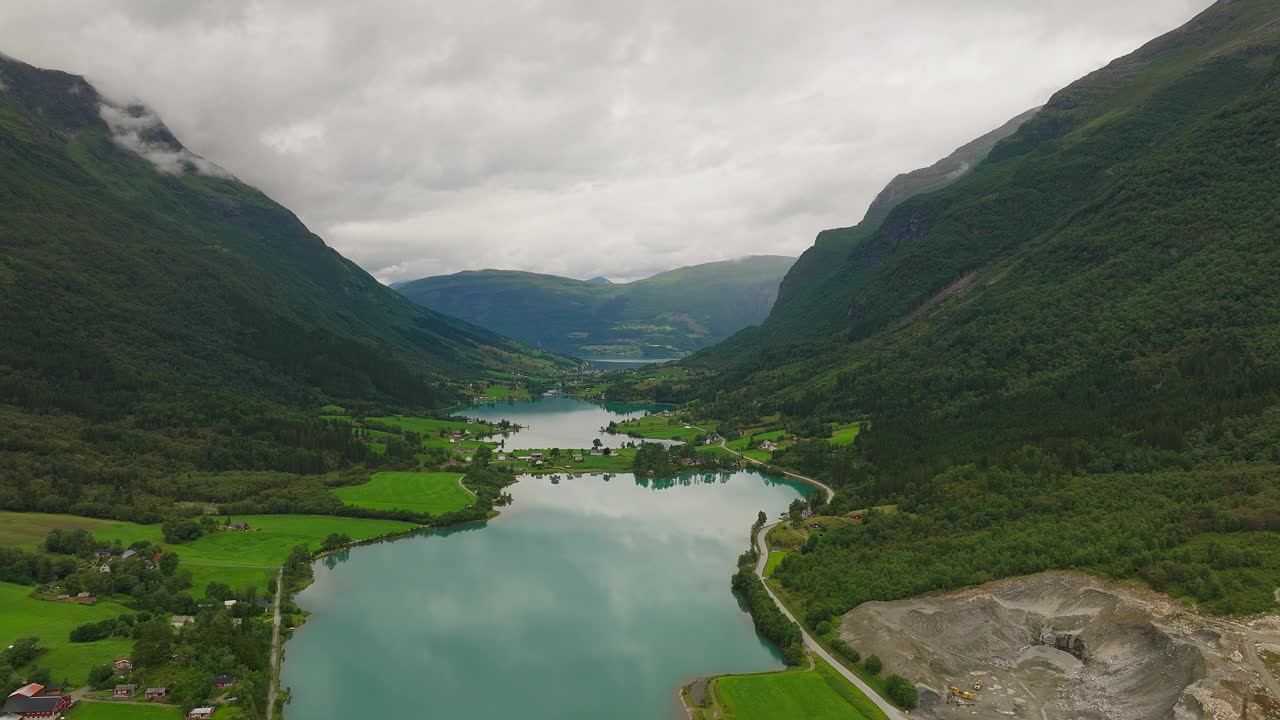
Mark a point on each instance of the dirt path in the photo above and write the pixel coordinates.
(464, 487)
(892, 712)
(273, 685)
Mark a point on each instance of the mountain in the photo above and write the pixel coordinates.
(819, 273)
(147, 290)
(667, 315)
(1102, 284)
(1066, 359)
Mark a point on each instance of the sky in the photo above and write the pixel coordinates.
(577, 137)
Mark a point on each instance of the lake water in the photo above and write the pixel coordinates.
(593, 597)
(559, 422)
(623, 363)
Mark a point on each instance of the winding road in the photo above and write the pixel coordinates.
(892, 712)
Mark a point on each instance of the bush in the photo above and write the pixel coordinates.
(846, 650)
(872, 664)
(900, 691)
(824, 628)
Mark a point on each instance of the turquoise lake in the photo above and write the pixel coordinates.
(590, 597)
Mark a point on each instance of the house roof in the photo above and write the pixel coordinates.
(126, 688)
(28, 690)
(223, 678)
(21, 704)
(153, 691)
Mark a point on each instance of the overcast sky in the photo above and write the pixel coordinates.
(578, 137)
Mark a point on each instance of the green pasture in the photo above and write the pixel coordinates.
(28, 530)
(775, 558)
(425, 492)
(809, 694)
(52, 622)
(430, 426)
(659, 428)
(108, 710)
(845, 434)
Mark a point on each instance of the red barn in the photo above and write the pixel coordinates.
(33, 702)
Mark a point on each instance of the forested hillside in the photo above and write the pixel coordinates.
(667, 315)
(1067, 358)
(160, 315)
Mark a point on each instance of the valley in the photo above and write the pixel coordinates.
(1009, 447)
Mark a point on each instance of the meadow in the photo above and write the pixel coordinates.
(818, 694)
(430, 426)
(114, 711)
(425, 492)
(775, 558)
(257, 552)
(661, 428)
(28, 530)
(845, 434)
(52, 622)
(620, 460)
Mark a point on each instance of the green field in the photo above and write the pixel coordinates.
(425, 492)
(52, 622)
(28, 530)
(812, 695)
(620, 460)
(505, 392)
(114, 711)
(775, 558)
(660, 428)
(236, 578)
(430, 426)
(269, 541)
(845, 434)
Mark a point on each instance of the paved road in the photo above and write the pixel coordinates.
(890, 710)
(831, 494)
(273, 685)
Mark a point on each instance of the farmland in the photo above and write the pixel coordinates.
(661, 428)
(775, 558)
(819, 694)
(845, 434)
(430, 426)
(424, 492)
(619, 460)
(52, 622)
(28, 530)
(114, 711)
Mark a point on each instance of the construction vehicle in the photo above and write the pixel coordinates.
(962, 693)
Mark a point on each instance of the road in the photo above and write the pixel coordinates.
(763, 546)
(273, 684)
(831, 494)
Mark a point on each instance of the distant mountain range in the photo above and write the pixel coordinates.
(664, 316)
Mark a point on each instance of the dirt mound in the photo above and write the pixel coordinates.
(1061, 646)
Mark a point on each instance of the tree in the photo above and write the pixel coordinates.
(180, 531)
(872, 664)
(795, 512)
(901, 691)
(102, 676)
(154, 645)
(169, 563)
(334, 541)
(218, 592)
(762, 519)
(21, 652)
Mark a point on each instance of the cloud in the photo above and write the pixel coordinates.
(139, 130)
(573, 136)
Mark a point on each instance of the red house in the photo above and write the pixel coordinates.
(156, 693)
(124, 691)
(124, 664)
(224, 681)
(33, 702)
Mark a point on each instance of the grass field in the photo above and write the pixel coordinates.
(784, 696)
(423, 492)
(270, 540)
(52, 622)
(775, 558)
(113, 711)
(233, 577)
(620, 460)
(28, 530)
(429, 426)
(844, 434)
(505, 392)
(659, 428)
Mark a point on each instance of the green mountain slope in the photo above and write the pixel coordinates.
(806, 311)
(146, 289)
(1103, 279)
(666, 315)
(1066, 359)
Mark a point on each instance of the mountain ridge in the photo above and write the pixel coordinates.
(666, 314)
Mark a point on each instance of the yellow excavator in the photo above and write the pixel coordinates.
(962, 693)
